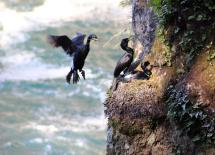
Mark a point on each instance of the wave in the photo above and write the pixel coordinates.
(62, 124)
(25, 66)
(96, 92)
(54, 13)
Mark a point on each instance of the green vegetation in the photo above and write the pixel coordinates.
(113, 123)
(211, 51)
(189, 25)
(190, 117)
(125, 3)
(126, 128)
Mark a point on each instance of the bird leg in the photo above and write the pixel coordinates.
(69, 75)
(83, 74)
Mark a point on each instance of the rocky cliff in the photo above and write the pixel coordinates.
(174, 111)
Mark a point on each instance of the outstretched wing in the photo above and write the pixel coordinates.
(62, 41)
(122, 64)
(79, 39)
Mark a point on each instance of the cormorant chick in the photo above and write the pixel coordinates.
(76, 49)
(145, 74)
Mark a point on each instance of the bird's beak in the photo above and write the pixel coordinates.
(95, 38)
(131, 37)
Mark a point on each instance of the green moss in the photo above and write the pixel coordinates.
(167, 53)
(125, 3)
(180, 71)
(211, 52)
(130, 129)
(113, 123)
(109, 93)
(127, 128)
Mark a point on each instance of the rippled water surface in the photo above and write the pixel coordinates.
(39, 112)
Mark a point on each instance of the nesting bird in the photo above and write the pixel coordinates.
(76, 49)
(145, 74)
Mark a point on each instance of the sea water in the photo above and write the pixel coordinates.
(39, 112)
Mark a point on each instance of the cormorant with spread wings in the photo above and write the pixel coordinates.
(76, 49)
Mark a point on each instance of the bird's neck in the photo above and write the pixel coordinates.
(87, 49)
(88, 44)
(129, 50)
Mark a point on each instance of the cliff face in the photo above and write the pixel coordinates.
(172, 112)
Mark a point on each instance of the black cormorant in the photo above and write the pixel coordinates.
(123, 63)
(145, 74)
(76, 49)
(126, 60)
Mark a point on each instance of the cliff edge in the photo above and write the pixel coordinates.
(174, 111)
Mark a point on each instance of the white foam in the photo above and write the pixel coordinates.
(74, 92)
(80, 143)
(38, 140)
(54, 13)
(48, 149)
(8, 144)
(25, 67)
(60, 124)
(98, 91)
(47, 129)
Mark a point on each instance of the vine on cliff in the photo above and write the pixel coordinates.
(194, 121)
(189, 25)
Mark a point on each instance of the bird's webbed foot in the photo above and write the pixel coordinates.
(83, 74)
(69, 76)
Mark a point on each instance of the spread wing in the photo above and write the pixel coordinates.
(79, 39)
(122, 64)
(62, 41)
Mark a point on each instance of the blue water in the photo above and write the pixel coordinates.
(39, 112)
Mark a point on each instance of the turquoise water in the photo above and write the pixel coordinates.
(39, 112)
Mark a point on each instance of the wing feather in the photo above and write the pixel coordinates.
(62, 41)
(122, 64)
(79, 39)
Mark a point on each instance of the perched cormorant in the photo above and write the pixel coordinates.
(76, 49)
(126, 60)
(123, 63)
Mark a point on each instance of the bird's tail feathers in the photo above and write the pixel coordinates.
(76, 77)
(114, 84)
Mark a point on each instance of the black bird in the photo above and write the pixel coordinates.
(145, 74)
(123, 63)
(76, 49)
(126, 60)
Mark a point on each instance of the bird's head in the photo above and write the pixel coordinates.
(93, 37)
(124, 42)
(145, 64)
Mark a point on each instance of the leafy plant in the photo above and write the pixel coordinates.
(192, 119)
(189, 25)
